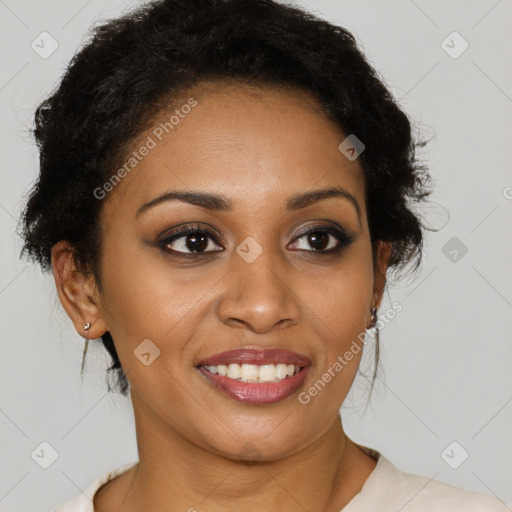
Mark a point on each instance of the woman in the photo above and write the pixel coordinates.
(224, 187)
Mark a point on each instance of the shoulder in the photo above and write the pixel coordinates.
(389, 489)
(422, 493)
(83, 502)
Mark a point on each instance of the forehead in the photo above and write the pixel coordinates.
(249, 143)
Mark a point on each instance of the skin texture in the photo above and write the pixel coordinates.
(256, 147)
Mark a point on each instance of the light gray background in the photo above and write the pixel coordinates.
(446, 357)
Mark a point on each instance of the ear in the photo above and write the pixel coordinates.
(381, 266)
(77, 292)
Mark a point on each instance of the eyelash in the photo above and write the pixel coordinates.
(343, 240)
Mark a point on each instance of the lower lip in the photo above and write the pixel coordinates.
(258, 392)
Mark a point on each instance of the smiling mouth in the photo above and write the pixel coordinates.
(252, 373)
(255, 375)
(256, 384)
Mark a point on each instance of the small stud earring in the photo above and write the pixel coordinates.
(373, 320)
(86, 327)
(373, 311)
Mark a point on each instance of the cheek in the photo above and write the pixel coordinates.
(340, 303)
(144, 297)
(341, 320)
(340, 296)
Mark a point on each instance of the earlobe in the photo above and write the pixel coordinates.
(76, 292)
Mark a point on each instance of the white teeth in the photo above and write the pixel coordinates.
(233, 371)
(249, 373)
(255, 373)
(268, 372)
(282, 371)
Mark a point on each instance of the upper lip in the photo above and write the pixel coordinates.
(258, 356)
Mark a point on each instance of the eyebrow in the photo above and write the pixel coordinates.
(218, 203)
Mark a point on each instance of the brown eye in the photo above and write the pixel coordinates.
(323, 240)
(191, 240)
(319, 240)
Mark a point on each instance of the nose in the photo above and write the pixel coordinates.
(259, 296)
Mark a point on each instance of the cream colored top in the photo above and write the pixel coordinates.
(387, 489)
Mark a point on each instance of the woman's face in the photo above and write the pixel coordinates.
(247, 280)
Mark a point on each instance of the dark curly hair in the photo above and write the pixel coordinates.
(132, 67)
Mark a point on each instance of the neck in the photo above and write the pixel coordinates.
(176, 474)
